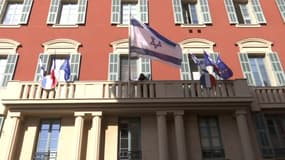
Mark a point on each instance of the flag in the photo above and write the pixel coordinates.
(224, 71)
(207, 80)
(210, 62)
(66, 68)
(148, 43)
(42, 69)
(52, 74)
(196, 60)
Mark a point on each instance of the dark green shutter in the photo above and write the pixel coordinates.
(114, 67)
(246, 68)
(185, 68)
(277, 68)
(53, 11)
(27, 5)
(82, 6)
(74, 66)
(116, 12)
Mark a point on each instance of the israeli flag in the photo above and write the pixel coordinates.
(146, 42)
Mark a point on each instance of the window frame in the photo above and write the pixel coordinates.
(272, 62)
(48, 153)
(281, 6)
(62, 48)
(254, 9)
(25, 13)
(54, 13)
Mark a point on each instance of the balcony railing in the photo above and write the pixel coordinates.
(270, 96)
(123, 90)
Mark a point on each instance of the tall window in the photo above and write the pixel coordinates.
(249, 12)
(189, 12)
(281, 6)
(119, 63)
(129, 139)
(47, 140)
(58, 51)
(67, 12)
(261, 67)
(211, 142)
(189, 70)
(8, 60)
(15, 12)
(123, 9)
(271, 134)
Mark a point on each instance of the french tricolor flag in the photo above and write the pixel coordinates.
(50, 81)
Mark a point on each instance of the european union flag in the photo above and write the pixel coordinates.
(66, 68)
(224, 71)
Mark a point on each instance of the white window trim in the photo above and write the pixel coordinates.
(62, 45)
(8, 46)
(262, 47)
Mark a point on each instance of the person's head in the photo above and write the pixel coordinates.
(142, 77)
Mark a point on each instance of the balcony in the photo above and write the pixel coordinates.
(234, 91)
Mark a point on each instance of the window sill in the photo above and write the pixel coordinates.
(123, 25)
(248, 25)
(193, 25)
(10, 26)
(65, 26)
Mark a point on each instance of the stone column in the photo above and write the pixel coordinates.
(79, 126)
(15, 123)
(180, 135)
(244, 135)
(96, 130)
(162, 135)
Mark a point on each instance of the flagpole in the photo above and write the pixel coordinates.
(129, 57)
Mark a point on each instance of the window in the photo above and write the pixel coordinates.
(244, 12)
(119, 67)
(47, 140)
(281, 6)
(59, 50)
(123, 9)
(14, 12)
(191, 12)
(211, 142)
(67, 12)
(260, 65)
(8, 60)
(271, 134)
(189, 70)
(129, 139)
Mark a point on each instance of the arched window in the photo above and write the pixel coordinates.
(189, 70)
(8, 60)
(59, 50)
(118, 63)
(261, 66)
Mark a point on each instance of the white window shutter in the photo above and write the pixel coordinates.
(246, 68)
(116, 12)
(10, 68)
(1, 6)
(53, 11)
(205, 11)
(27, 5)
(45, 59)
(177, 10)
(231, 12)
(146, 67)
(82, 6)
(74, 66)
(185, 68)
(143, 8)
(277, 68)
(258, 12)
(281, 6)
(114, 67)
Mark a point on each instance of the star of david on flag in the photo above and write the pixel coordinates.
(147, 42)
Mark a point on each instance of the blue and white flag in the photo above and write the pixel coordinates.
(224, 71)
(66, 68)
(148, 43)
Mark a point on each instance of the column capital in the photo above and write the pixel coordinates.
(161, 113)
(79, 114)
(241, 112)
(14, 114)
(178, 113)
(96, 114)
